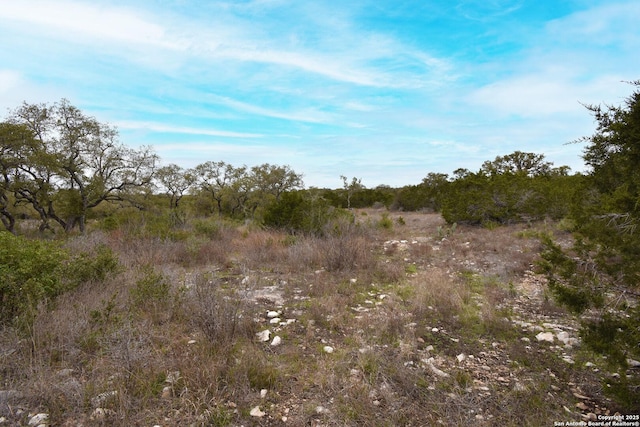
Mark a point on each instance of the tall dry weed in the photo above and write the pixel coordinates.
(222, 315)
(437, 289)
(346, 253)
(259, 249)
(304, 254)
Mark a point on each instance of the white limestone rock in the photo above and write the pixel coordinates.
(100, 399)
(276, 341)
(429, 364)
(256, 412)
(264, 336)
(545, 336)
(41, 419)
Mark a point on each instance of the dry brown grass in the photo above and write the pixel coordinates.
(436, 290)
(222, 315)
(188, 305)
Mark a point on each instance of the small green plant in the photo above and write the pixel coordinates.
(528, 234)
(490, 224)
(145, 383)
(101, 322)
(370, 365)
(261, 373)
(105, 316)
(411, 269)
(447, 231)
(512, 290)
(151, 288)
(401, 221)
(219, 417)
(289, 240)
(463, 378)
(385, 222)
(566, 224)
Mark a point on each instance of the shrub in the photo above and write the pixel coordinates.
(598, 276)
(385, 222)
(35, 271)
(346, 253)
(152, 288)
(297, 212)
(221, 314)
(208, 227)
(94, 266)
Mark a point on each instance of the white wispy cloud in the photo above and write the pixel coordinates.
(165, 128)
(487, 9)
(191, 154)
(306, 115)
(76, 19)
(580, 58)
(543, 95)
(16, 88)
(8, 80)
(354, 63)
(603, 24)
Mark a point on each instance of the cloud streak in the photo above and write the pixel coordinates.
(163, 128)
(74, 19)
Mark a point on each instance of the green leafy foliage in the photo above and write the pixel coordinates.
(385, 222)
(520, 187)
(428, 195)
(35, 271)
(599, 274)
(64, 164)
(568, 276)
(151, 289)
(300, 212)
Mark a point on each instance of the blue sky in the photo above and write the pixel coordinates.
(383, 90)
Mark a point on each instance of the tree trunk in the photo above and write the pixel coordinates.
(8, 221)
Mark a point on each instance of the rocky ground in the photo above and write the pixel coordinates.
(467, 336)
(544, 331)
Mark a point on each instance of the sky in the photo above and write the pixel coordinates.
(383, 90)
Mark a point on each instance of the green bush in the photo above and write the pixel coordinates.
(597, 277)
(95, 266)
(297, 212)
(385, 222)
(208, 227)
(151, 289)
(35, 271)
(504, 193)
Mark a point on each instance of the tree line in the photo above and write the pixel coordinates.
(518, 187)
(58, 165)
